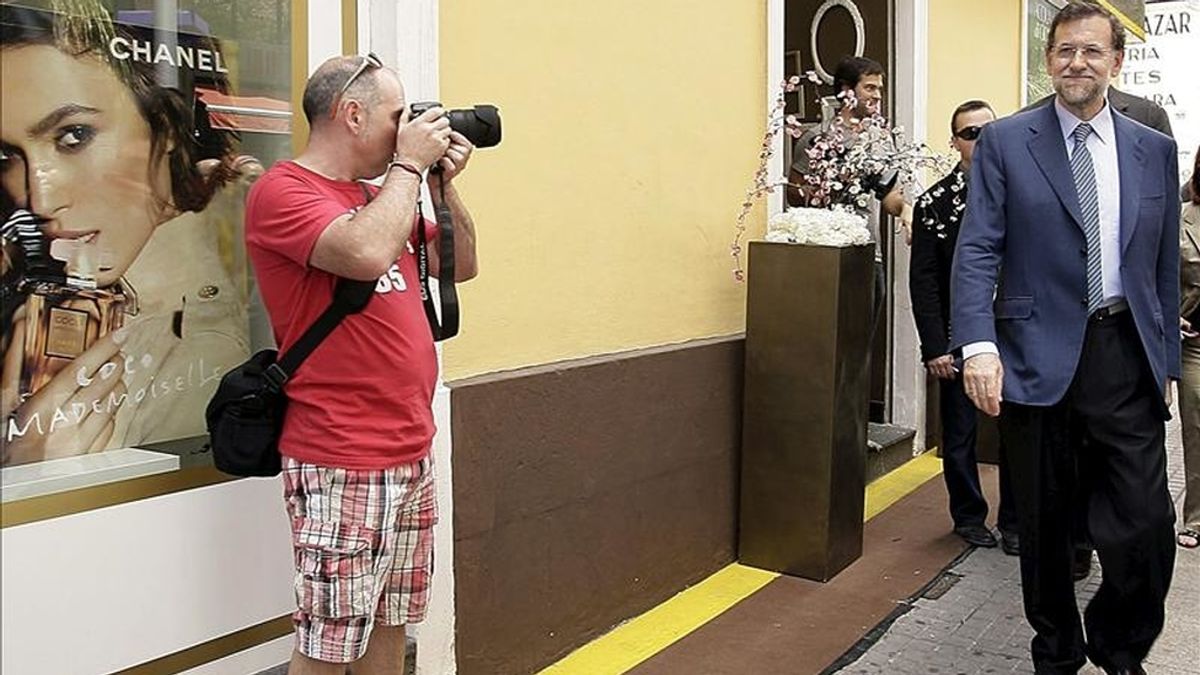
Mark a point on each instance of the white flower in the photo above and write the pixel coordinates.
(819, 227)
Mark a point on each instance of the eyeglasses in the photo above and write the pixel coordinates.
(368, 61)
(1091, 53)
(968, 133)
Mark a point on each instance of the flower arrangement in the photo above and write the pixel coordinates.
(836, 226)
(846, 158)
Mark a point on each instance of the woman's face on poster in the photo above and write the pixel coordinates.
(75, 151)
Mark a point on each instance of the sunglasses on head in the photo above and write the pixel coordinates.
(969, 133)
(368, 61)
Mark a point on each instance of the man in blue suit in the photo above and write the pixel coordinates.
(1065, 294)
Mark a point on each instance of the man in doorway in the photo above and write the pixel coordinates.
(862, 79)
(1065, 295)
(936, 219)
(358, 480)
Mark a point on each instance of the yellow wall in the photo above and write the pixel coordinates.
(974, 52)
(631, 131)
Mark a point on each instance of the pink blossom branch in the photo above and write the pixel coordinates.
(841, 157)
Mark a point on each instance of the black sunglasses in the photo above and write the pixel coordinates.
(368, 61)
(969, 133)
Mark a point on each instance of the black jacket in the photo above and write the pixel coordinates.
(936, 219)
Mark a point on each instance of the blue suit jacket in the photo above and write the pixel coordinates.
(1019, 277)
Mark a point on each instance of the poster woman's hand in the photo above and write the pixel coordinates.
(62, 409)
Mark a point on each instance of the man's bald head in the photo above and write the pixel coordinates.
(323, 86)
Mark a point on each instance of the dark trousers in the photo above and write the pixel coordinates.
(960, 468)
(1104, 440)
(878, 299)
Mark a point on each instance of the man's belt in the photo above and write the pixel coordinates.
(1109, 311)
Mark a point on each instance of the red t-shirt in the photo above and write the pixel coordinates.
(362, 400)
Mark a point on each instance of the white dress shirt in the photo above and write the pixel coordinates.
(1102, 144)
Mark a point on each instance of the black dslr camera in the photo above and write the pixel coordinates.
(480, 124)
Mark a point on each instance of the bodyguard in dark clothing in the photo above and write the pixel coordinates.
(936, 219)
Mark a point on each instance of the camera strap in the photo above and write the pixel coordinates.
(447, 327)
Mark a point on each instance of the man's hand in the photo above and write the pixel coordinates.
(983, 379)
(423, 141)
(1185, 329)
(1168, 392)
(906, 224)
(894, 205)
(942, 367)
(454, 161)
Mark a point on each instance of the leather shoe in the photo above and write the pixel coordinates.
(1132, 670)
(1081, 565)
(1010, 543)
(976, 535)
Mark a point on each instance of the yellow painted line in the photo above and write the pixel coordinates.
(893, 487)
(640, 638)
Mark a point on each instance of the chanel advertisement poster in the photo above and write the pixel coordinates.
(126, 149)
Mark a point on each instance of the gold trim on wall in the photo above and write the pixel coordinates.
(45, 507)
(299, 73)
(349, 27)
(1132, 26)
(217, 648)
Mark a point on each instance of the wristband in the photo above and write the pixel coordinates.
(398, 164)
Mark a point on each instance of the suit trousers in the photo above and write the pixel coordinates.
(1106, 439)
(960, 468)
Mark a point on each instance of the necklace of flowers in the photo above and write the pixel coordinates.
(933, 217)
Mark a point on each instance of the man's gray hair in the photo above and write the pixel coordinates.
(323, 86)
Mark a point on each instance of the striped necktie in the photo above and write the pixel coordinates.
(1089, 206)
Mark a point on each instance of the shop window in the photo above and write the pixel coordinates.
(130, 132)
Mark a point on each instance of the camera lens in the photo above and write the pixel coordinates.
(480, 124)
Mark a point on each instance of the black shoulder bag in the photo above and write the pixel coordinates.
(245, 415)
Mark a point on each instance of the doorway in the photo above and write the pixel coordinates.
(838, 28)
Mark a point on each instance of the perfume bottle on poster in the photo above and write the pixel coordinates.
(65, 312)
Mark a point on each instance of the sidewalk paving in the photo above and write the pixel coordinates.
(971, 620)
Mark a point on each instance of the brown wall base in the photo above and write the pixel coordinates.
(588, 492)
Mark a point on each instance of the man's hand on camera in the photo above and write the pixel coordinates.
(455, 159)
(423, 141)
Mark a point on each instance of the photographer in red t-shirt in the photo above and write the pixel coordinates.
(358, 481)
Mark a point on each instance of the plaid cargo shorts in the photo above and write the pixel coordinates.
(363, 542)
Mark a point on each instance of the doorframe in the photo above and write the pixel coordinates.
(775, 28)
(911, 95)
